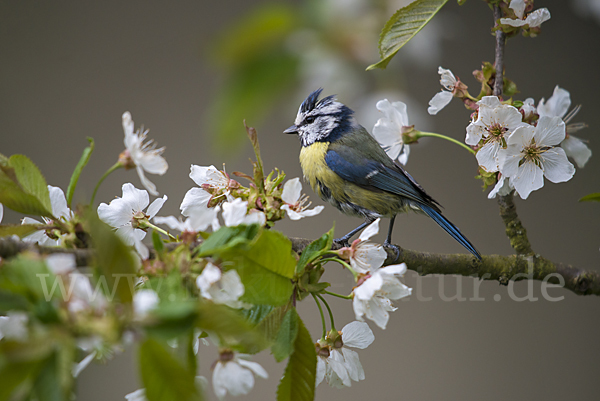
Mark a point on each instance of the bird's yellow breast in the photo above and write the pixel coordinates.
(348, 197)
(312, 160)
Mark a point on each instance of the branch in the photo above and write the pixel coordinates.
(516, 232)
(492, 267)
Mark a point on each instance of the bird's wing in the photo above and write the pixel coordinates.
(354, 164)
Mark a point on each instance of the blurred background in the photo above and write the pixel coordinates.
(191, 71)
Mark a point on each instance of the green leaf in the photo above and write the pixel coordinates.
(226, 238)
(83, 161)
(22, 230)
(595, 197)
(265, 267)
(284, 342)
(164, 378)
(257, 313)
(114, 259)
(157, 242)
(403, 26)
(312, 251)
(16, 375)
(230, 324)
(28, 277)
(47, 384)
(298, 381)
(271, 324)
(22, 187)
(30, 179)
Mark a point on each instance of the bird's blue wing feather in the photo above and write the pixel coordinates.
(377, 176)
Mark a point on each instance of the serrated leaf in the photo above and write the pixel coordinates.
(313, 249)
(403, 26)
(298, 381)
(83, 161)
(30, 179)
(595, 197)
(22, 230)
(226, 238)
(230, 324)
(265, 266)
(271, 323)
(164, 378)
(113, 259)
(288, 330)
(13, 196)
(257, 313)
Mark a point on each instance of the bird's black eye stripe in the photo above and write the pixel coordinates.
(310, 119)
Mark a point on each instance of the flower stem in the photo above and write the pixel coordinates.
(110, 170)
(147, 224)
(434, 135)
(337, 295)
(328, 310)
(343, 263)
(322, 316)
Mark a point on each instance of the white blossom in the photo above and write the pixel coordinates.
(221, 288)
(60, 210)
(373, 295)
(533, 20)
(342, 364)
(528, 108)
(144, 301)
(13, 326)
(503, 187)
(532, 154)
(389, 128)
(235, 213)
(209, 178)
(199, 219)
(364, 255)
(557, 106)
(125, 213)
(294, 201)
(518, 6)
(234, 373)
(137, 395)
(442, 98)
(1, 212)
(144, 156)
(495, 123)
(61, 263)
(84, 363)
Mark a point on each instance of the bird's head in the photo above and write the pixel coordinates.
(321, 120)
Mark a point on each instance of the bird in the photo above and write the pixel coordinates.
(348, 168)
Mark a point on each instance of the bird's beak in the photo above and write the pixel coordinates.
(291, 130)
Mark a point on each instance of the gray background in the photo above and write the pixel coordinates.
(70, 69)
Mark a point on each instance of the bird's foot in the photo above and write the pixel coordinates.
(342, 242)
(393, 247)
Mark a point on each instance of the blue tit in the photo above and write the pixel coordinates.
(347, 168)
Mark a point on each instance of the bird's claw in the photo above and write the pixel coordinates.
(342, 242)
(394, 248)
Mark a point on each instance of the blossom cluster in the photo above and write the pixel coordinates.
(525, 144)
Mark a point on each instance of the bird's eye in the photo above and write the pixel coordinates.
(309, 119)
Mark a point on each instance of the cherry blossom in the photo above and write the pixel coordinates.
(443, 98)
(294, 201)
(388, 129)
(234, 373)
(142, 156)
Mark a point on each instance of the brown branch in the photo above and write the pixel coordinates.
(493, 267)
(516, 232)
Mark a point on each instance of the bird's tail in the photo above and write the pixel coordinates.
(450, 229)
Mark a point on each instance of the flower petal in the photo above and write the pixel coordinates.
(357, 335)
(557, 168)
(292, 190)
(371, 230)
(558, 104)
(550, 131)
(574, 147)
(155, 206)
(439, 101)
(529, 178)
